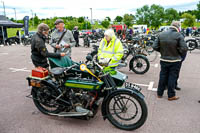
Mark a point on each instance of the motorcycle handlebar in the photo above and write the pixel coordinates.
(69, 68)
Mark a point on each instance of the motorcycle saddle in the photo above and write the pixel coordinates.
(57, 71)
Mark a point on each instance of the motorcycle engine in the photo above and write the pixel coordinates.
(82, 98)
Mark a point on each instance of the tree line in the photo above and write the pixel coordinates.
(153, 16)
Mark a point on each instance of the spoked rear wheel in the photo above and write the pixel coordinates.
(43, 100)
(126, 111)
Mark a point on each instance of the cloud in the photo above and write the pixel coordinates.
(77, 8)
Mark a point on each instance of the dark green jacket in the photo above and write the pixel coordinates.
(39, 52)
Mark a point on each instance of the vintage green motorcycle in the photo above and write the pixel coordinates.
(76, 91)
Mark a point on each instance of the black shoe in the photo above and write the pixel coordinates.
(177, 88)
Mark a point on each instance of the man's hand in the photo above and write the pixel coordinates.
(67, 45)
(58, 46)
(62, 54)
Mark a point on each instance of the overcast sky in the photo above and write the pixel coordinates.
(77, 8)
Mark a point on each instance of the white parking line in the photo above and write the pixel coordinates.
(156, 65)
(3, 53)
(149, 86)
(17, 70)
(141, 85)
(154, 89)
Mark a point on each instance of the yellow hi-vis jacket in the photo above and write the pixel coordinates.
(113, 50)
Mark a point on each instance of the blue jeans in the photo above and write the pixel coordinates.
(168, 77)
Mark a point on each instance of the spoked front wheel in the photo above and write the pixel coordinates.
(126, 111)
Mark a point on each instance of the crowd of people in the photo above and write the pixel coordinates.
(170, 44)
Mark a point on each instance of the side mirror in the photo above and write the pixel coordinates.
(89, 57)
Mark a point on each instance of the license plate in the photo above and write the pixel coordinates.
(132, 86)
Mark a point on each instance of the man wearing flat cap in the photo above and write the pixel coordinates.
(172, 47)
(62, 40)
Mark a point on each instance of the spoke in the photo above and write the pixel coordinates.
(115, 113)
(120, 102)
(115, 109)
(127, 100)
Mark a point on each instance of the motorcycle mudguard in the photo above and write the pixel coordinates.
(132, 91)
(48, 83)
(193, 39)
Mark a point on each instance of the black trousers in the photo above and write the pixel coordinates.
(77, 42)
(168, 77)
(176, 83)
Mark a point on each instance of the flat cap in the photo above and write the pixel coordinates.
(58, 21)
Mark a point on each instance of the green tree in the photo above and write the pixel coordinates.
(152, 16)
(108, 18)
(118, 19)
(128, 19)
(96, 25)
(36, 20)
(12, 19)
(142, 15)
(170, 15)
(197, 14)
(86, 25)
(156, 15)
(69, 18)
(189, 20)
(81, 19)
(105, 23)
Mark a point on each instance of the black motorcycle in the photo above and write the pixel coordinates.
(95, 37)
(77, 91)
(86, 40)
(193, 43)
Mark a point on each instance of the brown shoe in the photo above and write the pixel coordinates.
(159, 96)
(173, 98)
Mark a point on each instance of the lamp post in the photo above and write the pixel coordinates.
(4, 8)
(15, 14)
(91, 15)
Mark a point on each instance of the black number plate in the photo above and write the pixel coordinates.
(132, 86)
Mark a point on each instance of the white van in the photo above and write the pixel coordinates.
(164, 28)
(139, 28)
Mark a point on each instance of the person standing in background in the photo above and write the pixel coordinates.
(172, 46)
(65, 43)
(76, 35)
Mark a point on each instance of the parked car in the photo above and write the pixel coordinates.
(31, 33)
(81, 35)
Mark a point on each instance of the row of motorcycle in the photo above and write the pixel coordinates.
(25, 40)
(138, 52)
(193, 42)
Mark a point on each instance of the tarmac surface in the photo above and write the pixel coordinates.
(18, 114)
